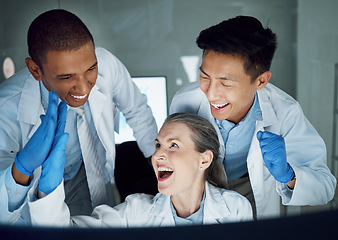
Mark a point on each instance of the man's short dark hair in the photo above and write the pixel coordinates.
(242, 36)
(56, 30)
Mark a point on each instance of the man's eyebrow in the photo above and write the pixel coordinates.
(94, 65)
(221, 78)
(64, 75)
(228, 78)
(201, 69)
(71, 74)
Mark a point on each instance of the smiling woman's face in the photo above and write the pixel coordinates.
(176, 162)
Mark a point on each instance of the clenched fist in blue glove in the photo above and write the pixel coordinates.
(38, 147)
(274, 156)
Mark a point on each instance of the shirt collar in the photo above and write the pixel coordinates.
(254, 114)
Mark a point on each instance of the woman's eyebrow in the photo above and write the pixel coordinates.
(170, 139)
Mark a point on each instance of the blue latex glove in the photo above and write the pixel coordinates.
(38, 147)
(274, 156)
(53, 167)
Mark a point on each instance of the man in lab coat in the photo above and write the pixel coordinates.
(93, 85)
(268, 147)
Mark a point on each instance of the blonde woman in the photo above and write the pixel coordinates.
(191, 184)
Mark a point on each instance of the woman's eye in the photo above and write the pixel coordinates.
(157, 145)
(174, 145)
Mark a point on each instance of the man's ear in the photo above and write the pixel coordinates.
(263, 79)
(207, 157)
(34, 69)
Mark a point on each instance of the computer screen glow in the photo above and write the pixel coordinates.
(155, 89)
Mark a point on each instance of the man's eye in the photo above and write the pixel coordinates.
(226, 85)
(65, 77)
(157, 145)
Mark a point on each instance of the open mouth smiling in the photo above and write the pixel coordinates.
(219, 106)
(79, 97)
(164, 173)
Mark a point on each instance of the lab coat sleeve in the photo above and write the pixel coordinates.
(306, 153)
(187, 99)
(13, 196)
(131, 103)
(51, 210)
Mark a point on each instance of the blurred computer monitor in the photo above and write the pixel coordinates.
(155, 88)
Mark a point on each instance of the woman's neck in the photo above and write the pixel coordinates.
(187, 203)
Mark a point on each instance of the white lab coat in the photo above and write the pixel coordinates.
(306, 150)
(139, 210)
(20, 107)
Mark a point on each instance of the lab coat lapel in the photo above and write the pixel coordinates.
(215, 208)
(31, 88)
(268, 113)
(104, 125)
(96, 102)
(162, 209)
(261, 180)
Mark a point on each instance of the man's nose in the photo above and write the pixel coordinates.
(82, 85)
(212, 91)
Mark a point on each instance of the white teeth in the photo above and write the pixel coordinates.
(219, 105)
(79, 97)
(160, 169)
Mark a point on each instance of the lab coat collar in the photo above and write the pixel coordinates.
(31, 88)
(215, 207)
(161, 208)
(96, 102)
(268, 112)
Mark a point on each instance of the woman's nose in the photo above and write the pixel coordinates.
(159, 155)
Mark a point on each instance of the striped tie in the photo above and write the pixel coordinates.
(92, 164)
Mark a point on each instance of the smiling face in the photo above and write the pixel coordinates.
(70, 74)
(176, 162)
(228, 88)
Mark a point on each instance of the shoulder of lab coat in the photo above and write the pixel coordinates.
(306, 150)
(18, 121)
(115, 84)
